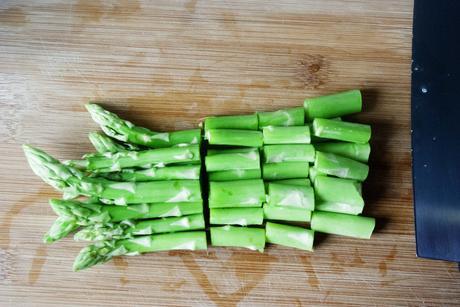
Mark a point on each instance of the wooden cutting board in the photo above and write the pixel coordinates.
(166, 65)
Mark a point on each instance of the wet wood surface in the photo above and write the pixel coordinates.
(166, 65)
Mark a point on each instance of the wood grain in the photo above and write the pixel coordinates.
(165, 65)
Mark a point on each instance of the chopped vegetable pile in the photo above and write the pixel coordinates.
(267, 175)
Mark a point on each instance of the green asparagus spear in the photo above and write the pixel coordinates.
(241, 193)
(286, 135)
(236, 216)
(243, 122)
(236, 174)
(333, 105)
(125, 131)
(343, 224)
(233, 161)
(359, 152)
(101, 252)
(285, 170)
(284, 213)
(61, 227)
(233, 236)
(103, 143)
(286, 117)
(172, 172)
(289, 153)
(297, 181)
(342, 131)
(233, 137)
(292, 236)
(218, 151)
(339, 166)
(291, 196)
(313, 172)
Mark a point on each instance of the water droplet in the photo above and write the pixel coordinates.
(424, 90)
(425, 165)
(434, 139)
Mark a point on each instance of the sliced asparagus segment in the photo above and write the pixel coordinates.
(233, 161)
(291, 196)
(289, 153)
(236, 216)
(292, 236)
(339, 166)
(333, 105)
(338, 195)
(234, 236)
(236, 174)
(342, 131)
(103, 143)
(343, 224)
(286, 135)
(359, 152)
(285, 170)
(296, 181)
(125, 131)
(285, 117)
(215, 151)
(243, 122)
(104, 251)
(241, 193)
(283, 213)
(156, 173)
(313, 172)
(233, 137)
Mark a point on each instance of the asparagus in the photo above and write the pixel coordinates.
(359, 152)
(218, 151)
(292, 236)
(251, 238)
(237, 174)
(333, 105)
(101, 252)
(243, 122)
(232, 161)
(343, 224)
(291, 196)
(313, 172)
(236, 216)
(285, 170)
(234, 137)
(241, 193)
(289, 153)
(173, 172)
(103, 143)
(286, 213)
(127, 229)
(338, 195)
(342, 167)
(110, 162)
(286, 135)
(342, 131)
(286, 117)
(297, 181)
(125, 131)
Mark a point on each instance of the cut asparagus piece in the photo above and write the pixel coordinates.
(338, 195)
(125, 131)
(297, 181)
(342, 131)
(234, 137)
(243, 122)
(291, 196)
(104, 251)
(127, 229)
(233, 236)
(285, 117)
(292, 236)
(333, 105)
(233, 161)
(103, 143)
(241, 193)
(283, 213)
(339, 166)
(343, 224)
(285, 170)
(173, 172)
(237, 174)
(111, 162)
(215, 151)
(236, 216)
(286, 135)
(359, 152)
(313, 172)
(289, 153)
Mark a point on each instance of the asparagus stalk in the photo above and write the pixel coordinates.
(232, 236)
(316, 139)
(243, 122)
(236, 216)
(291, 196)
(233, 137)
(297, 181)
(359, 152)
(125, 131)
(292, 236)
(127, 229)
(333, 105)
(236, 174)
(103, 143)
(101, 252)
(218, 151)
(339, 166)
(338, 195)
(284, 213)
(285, 170)
(286, 135)
(173, 172)
(342, 131)
(343, 224)
(313, 172)
(289, 153)
(232, 161)
(241, 193)
(286, 117)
